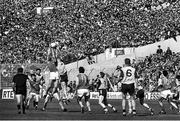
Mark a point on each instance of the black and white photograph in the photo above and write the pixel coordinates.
(89, 59)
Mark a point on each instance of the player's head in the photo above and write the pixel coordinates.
(102, 74)
(127, 61)
(33, 76)
(165, 73)
(31, 71)
(20, 70)
(38, 70)
(60, 60)
(81, 70)
(118, 67)
(53, 45)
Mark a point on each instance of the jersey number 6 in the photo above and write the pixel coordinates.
(128, 73)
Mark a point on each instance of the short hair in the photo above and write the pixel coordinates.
(50, 59)
(20, 70)
(102, 74)
(33, 75)
(127, 61)
(165, 73)
(38, 69)
(81, 70)
(118, 67)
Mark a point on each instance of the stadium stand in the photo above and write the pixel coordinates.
(82, 28)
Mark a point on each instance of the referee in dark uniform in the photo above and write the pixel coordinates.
(19, 87)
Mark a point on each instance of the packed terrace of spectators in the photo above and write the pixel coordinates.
(82, 27)
(149, 70)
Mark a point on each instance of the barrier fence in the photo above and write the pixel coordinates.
(9, 94)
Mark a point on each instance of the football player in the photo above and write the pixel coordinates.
(34, 93)
(140, 95)
(164, 87)
(102, 89)
(57, 95)
(129, 79)
(82, 89)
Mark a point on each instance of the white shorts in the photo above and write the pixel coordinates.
(56, 96)
(34, 95)
(83, 92)
(165, 93)
(54, 75)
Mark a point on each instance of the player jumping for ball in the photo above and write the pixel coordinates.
(54, 76)
(63, 78)
(53, 64)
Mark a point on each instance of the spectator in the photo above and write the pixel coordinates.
(89, 27)
(90, 59)
(168, 53)
(159, 50)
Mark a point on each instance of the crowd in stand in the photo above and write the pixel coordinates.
(149, 70)
(152, 66)
(82, 27)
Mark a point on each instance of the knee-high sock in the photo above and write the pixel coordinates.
(88, 105)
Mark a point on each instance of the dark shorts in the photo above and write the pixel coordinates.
(176, 97)
(128, 88)
(103, 92)
(64, 78)
(22, 92)
(140, 95)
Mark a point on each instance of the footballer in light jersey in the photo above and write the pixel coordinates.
(140, 95)
(34, 93)
(128, 82)
(164, 86)
(102, 89)
(57, 95)
(63, 78)
(117, 74)
(82, 89)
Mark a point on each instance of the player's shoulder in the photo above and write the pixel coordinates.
(81, 74)
(128, 67)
